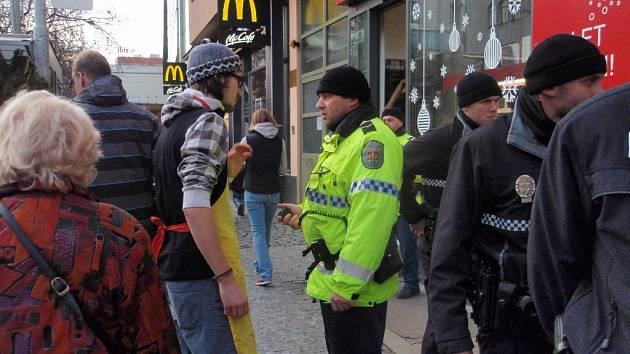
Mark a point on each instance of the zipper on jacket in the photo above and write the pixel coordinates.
(612, 315)
(612, 323)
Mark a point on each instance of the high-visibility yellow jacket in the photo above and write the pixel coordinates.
(403, 139)
(351, 202)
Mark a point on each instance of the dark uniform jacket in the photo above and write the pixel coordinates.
(428, 156)
(482, 212)
(579, 245)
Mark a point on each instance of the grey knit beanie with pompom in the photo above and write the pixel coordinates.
(209, 59)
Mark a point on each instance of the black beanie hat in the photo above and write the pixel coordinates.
(475, 87)
(394, 112)
(346, 82)
(559, 59)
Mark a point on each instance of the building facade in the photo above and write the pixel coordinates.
(423, 47)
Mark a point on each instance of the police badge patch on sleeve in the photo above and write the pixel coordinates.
(373, 155)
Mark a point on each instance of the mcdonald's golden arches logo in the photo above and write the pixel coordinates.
(174, 73)
(243, 13)
(240, 4)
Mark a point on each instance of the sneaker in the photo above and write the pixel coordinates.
(241, 210)
(262, 282)
(406, 293)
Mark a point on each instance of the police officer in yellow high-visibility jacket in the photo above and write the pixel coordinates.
(351, 202)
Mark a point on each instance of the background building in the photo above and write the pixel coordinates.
(142, 80)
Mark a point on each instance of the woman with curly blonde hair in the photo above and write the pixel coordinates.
(98, 255)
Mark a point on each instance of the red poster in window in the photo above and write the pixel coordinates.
(603, 22)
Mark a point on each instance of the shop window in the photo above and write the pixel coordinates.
(259, 89)
(334, 10)
(358, 42)
(312, 14)
(312, 135)
(446, 55)
(337, 41)
(309, 96)
(312, 52)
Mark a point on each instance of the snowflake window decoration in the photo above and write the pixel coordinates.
(431, 56)
(442, 28)
(465, 20)
(429, 14)
(412, 65)
(436, 102)
(479, 36)
(514, 6)
(415, 11)
(470, 68)
(510, 89)
(443, 70)
(413, 95)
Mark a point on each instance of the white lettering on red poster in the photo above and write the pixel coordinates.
(603, 22)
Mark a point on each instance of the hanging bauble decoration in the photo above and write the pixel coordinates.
(453, 38)
(424, 119)
(493, 51)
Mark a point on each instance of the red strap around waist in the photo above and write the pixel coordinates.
(158, 241)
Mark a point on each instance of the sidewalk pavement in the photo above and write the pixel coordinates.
(287, 321)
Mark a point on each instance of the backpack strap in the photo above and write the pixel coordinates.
(58, 285)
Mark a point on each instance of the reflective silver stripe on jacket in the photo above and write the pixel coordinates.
(505, 224)
(354, 270)
(322, 268)
(436, 183)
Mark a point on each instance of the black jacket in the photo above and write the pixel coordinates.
(262, 169)
(128, 136)
(579, 243)
(482, 213)
(180, 258)
(428, 156)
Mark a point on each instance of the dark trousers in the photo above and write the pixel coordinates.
(429, 346)
(358, 330)
(499, 343)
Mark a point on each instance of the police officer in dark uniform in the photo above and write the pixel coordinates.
(579, 245)
(478, 97)
(484, 216)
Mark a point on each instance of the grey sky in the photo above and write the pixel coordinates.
(139, 30)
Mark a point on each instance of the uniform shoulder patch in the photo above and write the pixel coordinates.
(373, 155)
(367, 126)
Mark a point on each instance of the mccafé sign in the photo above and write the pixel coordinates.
(174, 78)
(243, 38)
(235, 39)
(243, 13)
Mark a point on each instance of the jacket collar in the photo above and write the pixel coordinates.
(467, 128)
(522, 137)
(104, 91)
(353, 120)
(400, 131)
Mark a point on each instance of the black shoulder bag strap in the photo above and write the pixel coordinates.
(57, 284)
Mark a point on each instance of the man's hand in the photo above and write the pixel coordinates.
(418, 228)
(234, 301)
(292, 219)
(339, 304)
(236, 157)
